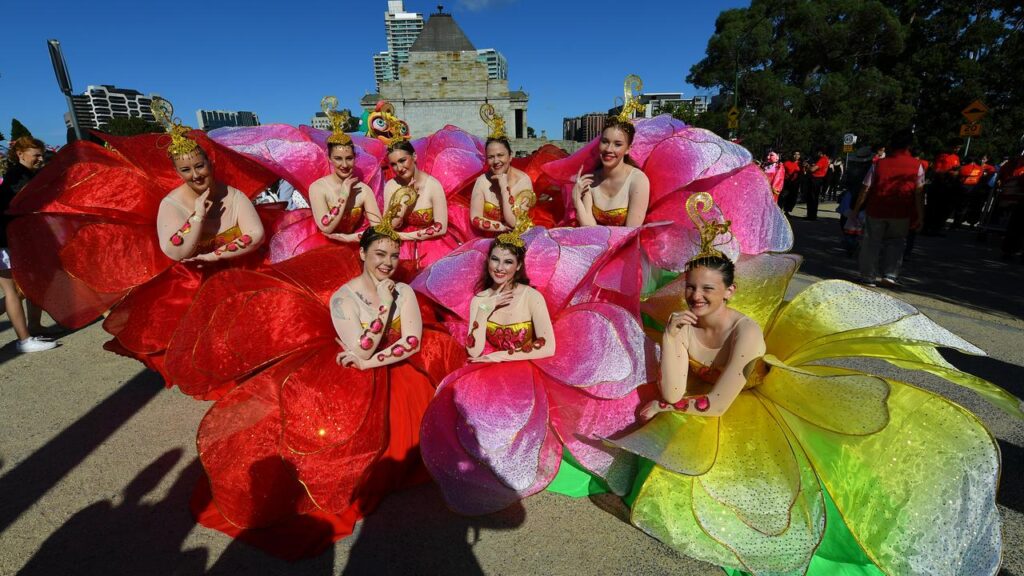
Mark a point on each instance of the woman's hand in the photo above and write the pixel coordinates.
(346, 186)
(349, 360)
(386, 292)
(203, 204)
(484, 359)
(676, 321)
(491, 303)
(207, 257)
(581, 190)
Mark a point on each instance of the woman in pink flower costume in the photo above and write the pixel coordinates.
(679, 161)
(494, 434)
(339, 175)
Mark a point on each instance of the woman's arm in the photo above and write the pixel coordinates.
(370, 210)
(179, 232)
(480, 309)
(359, 343)
(252, 232)
(543, 345)
(512, 195)
(326, 218)
(583, 198)
(476, 208)
(639, 199)
(747, 347)
(675, 362)
(412, 333)
(439, 204)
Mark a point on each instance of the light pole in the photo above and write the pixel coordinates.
(60, 69)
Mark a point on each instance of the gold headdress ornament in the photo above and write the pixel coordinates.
(631, 104)
(404, 196)
(709, 229)
(493, 121)
(329, 104)
(524, 202)
(181, 144)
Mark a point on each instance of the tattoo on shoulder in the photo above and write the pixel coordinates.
(338, 308)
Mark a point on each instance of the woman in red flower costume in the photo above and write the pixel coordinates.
(313, 438)
(99, 231)
(618, 193)
(423, 220)
(495, 191)
(340, 202)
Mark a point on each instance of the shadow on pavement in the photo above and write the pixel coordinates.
(414, 532)
(127, 535)
(25, 483)
(956, 268)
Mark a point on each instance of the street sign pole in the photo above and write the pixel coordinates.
(60, 69)
(967, 147)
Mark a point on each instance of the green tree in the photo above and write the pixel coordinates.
(530, 132)
(803, 72)
(18, 130)
(352, 125)
(130, 126)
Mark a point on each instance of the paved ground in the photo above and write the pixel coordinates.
(97, 460)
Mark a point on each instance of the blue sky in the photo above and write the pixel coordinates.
(279, 58)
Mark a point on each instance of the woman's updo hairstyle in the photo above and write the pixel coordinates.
(720, 264)
(500, 140)
(404, 146)
(371, 235)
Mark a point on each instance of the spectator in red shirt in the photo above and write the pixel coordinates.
(793, 183)
(819, 172)
(971, 195)
(893, 197)
(1011, 180)
(943, 189)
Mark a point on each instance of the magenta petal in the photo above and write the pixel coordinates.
(582, 422)
(282, 149)
(602, 348)
(504, 420)
(465, 263)
(469, 484)
(746, 199)
(451, 155)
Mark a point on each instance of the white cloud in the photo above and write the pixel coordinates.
(478, 5)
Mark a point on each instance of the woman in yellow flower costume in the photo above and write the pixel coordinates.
(815, 467)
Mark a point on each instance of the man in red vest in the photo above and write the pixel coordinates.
(942, 190)
(819, 171)
(892, 194)
(792, 184)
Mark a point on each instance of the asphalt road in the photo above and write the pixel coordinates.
(97, 460)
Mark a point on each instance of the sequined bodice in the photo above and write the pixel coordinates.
(350, 222)
(492, 211)
(421, 218)
(509, 336)
(221, 239)
(394, 333)
(616, 217)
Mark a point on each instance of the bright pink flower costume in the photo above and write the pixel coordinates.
(494, 433)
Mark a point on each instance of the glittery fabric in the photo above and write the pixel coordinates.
(84, 241)
(679, 161)
(296, 435)
(901, 464)
(494, 432)
(451, 155)
(299, 155)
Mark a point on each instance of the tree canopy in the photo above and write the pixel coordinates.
(804, 72)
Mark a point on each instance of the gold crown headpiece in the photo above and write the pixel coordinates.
(494, 122)
(521, 208)
(329, 104)
(404, 196)
(181, 144)
(710, 229)
(631, 104)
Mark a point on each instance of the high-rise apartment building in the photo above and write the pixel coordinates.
(497, 65)
(583, 128)
(211, 119)
(99, 104)
(401, 29)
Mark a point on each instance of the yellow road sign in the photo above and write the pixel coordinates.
(733, 123)
(970, 130)
(847, 148)
(975, 111)
(734, 113)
